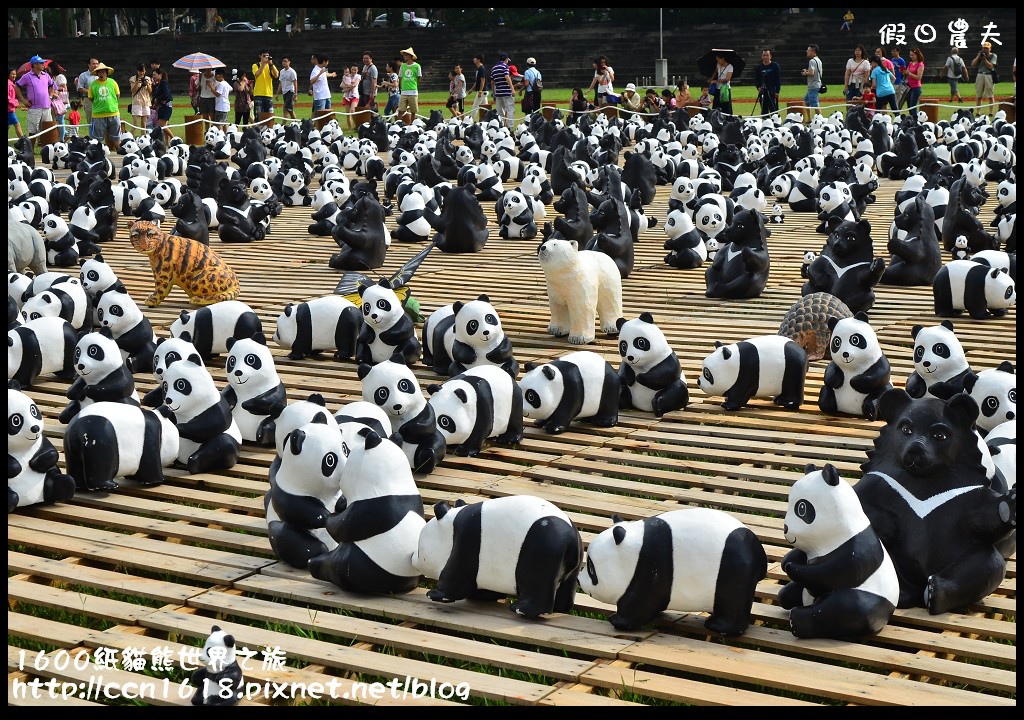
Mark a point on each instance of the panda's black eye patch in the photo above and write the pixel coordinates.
(642, 343)
(405, 386)
(446, 422)
(532, 398)
(708, 376)
(366, 308)
(989, 406)
(804, 510)
(253, 361)
(384, 305)
(328, 464)
(491, 319)
(858, 341)
(591, 570)
(1012, 395)
(472, 326)
(837, 342)
(117, 310)
(183, 386)
(623, 347)
(95, 352)
(93, 275)
(231, 363)
(941, 349)
(14, 423)
(345, 449)
(918, 353)
(171, 357)
(380, 395)
(35, 412)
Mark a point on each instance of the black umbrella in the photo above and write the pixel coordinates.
(707, 62)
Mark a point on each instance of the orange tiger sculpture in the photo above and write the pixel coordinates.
(195, 268)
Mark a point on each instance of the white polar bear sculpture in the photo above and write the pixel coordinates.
(582, 285)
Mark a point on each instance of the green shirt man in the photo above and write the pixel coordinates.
(408, 83)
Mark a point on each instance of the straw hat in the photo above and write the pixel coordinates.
(102, 66)
(408, 51)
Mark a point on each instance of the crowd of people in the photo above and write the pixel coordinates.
(878, 81)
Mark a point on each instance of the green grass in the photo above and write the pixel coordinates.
(743, 102)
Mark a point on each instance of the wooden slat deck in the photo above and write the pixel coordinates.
(148, 568)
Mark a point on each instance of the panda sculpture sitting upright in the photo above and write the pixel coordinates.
(842, 580)
(130, 328)
(387, 329)
(519, 545)
(651, 376)
(995, 392)
(685, 242)
(479, 338)
(305, 491)
(102, 375)
(692, 560)
(740, 268)
(578, 386)
(32, 473)
(219, 683)
(378, 530)
(765, 366)
(846, 266)
(482, 403)
(254, 391)
(940, 363)
(859, 371)
(210, 439)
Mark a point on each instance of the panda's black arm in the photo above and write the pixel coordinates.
(273, 400)
(300, 510)
(76, 391)
(210, 422)
(502, 352)
(365, 518)
(113, 391)
(45, 458)
(228, 393)
(848, 566)
(661, 375)
(873, 378)
(916, 386)
(13, 467)
(399, 332)
(154, 398)
(363, 343)
(463, 354)
(834, 376)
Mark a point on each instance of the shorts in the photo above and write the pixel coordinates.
(207, 106)
(263, 103)
(164, 112)
(983, 85)
(221, 116)
(454, 102)
(954, 86)
(367, 100)
(600, 98)
(323, 104)
(289, 101)
(12, 119)
(811, 98)
(105, 128)
(408, 103)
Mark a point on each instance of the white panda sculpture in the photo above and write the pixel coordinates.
(842, 581)
(274, 430)
(940, 363)
(479, 338)
(32, 473)
(210, 439)
(305, 490)
(66, 299)
(859, 371)
(438, 338)
(691, 560)
(220, 681)
(45, 346)
(770, 366)
(515, 216)
(685, 243)
(168, 351)
(582, 285)
(102, 375)
(61, 246)
(480, 404)
(387, 329)
(651, 376)
(519, 546)
(995, 392)
(130, 328)
(146, 442)
(254, 391)
(378, 530)
(392, 386)
(325, 323)
(581, 385)
(980, 290)
(97, 277)
(209, 328)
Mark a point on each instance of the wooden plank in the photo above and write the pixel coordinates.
(42, 630)
(72, 601)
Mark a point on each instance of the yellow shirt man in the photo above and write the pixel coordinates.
(265, 73)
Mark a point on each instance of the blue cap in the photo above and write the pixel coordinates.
(36, 59)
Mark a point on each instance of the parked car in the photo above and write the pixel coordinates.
(382, 20)
(162, 31)
(245, 27)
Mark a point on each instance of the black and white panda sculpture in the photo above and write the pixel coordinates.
(219, 683)
(438, 338)
(651, 376)
(326, 323)
(66, 299)
(102, 375)
(859, 371)
(32, 473)
(979, 289)
(110, 440)
(254, 391)
(379, 528)
(210, 438)
(691, 560)
(392, 386)
(940, 364)
(272, 433)
(130, 328)
(97, 277)
(842, 580)
(168, 351)
(358, 413)
(479, 338)
(685, 242)
(482, 403)
(581, 385)
(770, 366)
(387, 329)
(209, 328)
(519, 546)
(305, 490)
(995, 392)
(45, 346)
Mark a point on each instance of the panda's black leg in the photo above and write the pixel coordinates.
(827, 400)
(219, 453)
(540, 567)
(57, 487)
(565, 595)
(674, 397)
(791, 595)
(625, 398)
(293, 545)
(12, 500)
(744, 563)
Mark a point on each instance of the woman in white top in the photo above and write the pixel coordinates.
(62, 94)
(858, 70)
(722, 77)
(604, 76)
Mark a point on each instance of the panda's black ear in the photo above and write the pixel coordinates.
(1006, 366)
(948, 324)
(318, 399)
(862, 316)
(548, 372)
(616, 518)
(384, 283)
(915, 330)
(183, 316)
(969, 380)
(647, 317)
(433, 388)
(995, 273)
(456, 306)
(619, 533)
(830, 474)
(530, 366)
(215, 628)
(397, 358)
(963, 409)
(726, 353)
(230, 343)
(809, 468)
(362, 371)
(620, 322)
(719, 343)
(118, 287)
(320, 419)
(441, 509)
(260, 338)
(288, 310)
(371, 438)
(892, 402)
(832, 322)
(484, 298)
(460, 503)
(294, 439)
(461, 395)
(195, 359)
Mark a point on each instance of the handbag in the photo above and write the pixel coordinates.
(713, 89)
(995, 75)
(823, 89)
(725, 94)
(58, 106)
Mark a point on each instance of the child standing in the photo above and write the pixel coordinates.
(869, 97)
(74, 119)
(705, 97)
(350, 88)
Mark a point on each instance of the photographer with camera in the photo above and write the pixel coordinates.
(984, 77)
(265, 73)
(768, 79)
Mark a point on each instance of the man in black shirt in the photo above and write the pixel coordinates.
(479, 88)
(768, 79)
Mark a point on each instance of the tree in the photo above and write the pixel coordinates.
(210, 24)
